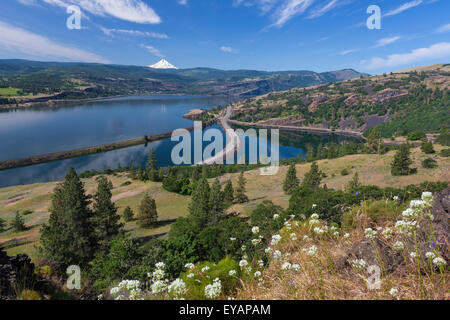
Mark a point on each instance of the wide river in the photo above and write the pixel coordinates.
(36, 131)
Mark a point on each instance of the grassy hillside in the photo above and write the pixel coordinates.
(372, 169)
(398, 103)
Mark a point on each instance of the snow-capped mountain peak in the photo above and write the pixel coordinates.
(163, 64)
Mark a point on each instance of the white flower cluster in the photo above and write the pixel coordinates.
(255, 230)
(212, 291)
(438, 261)
(370, 233)
(312, 251)
(393, 292)
(293, 236)
(409, 224)
(398, 245)
(243, 263)
(359, 264)
(159, 283)
(387, 233)
(232, 273)
(275, 239)
(286, 266)
(177, 289)
(127, 290)
(189, 266)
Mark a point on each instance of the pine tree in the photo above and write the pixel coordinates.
(373, 144)
(228, 193)
(69, 236)
(313, 178)
(216, 204)
(402, 161)
(132, 170)
(128, 214)
(148, 216)
(106, 219)
(240, 195)
(354, 183)
(18, 224)
(310, 154)
(141, 174)
(152, 168)
(291, 181)
(200, 201)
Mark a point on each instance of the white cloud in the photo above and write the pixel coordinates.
(386, 41)
(111, 32)
(319, 12)
(436, 51)
(404, 7)
(153, 50)
(19, 40)
(28, 2)
(290, 9)
(228, 49)
(182, 2)
(345, 52)
(129, 10)
(444, 28)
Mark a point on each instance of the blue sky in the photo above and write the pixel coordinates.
(318, 35)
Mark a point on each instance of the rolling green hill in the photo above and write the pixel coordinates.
(34, 82)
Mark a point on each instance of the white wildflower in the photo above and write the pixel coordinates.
(255, 230)
(177, 289)
(213, 291)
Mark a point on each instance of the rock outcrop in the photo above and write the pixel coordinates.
(15, 273)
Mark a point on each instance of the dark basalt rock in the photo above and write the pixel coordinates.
(373, 251)
(15, 272)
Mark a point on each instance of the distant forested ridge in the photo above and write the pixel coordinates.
(23, 81)
(398, 103)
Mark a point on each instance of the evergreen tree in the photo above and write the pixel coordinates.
(140, 174)
(240, 195)
(291, 181)
(373, 144)
(228, 193)
(132, 170)
(310, 154)
(152, 168)
(69, 236)
(148, 216)
(18, 224)
(313, 178)
(354, 183)
(200, 202)
(216, 204)
(128, 214)
(402, 161)
(427, 147)
(106, 219)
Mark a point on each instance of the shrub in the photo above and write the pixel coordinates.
(18, 224)
(128, 214)
(126, 183)
(345, 172)
(445, 153)
(429, 163)
(427, 147)
(378, 212)
(26, 212)
(416, 135)
(196, 284)
(30, 295)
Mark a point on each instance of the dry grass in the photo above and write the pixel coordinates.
(324, 277)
